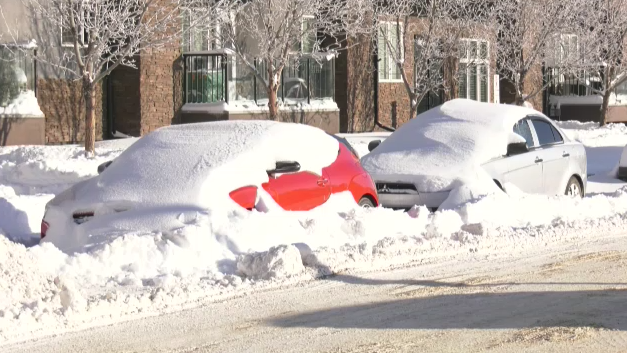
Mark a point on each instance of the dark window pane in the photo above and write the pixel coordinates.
(544, 132)
(463, 81)
(472, 83)
(556, 135)
(522, 129)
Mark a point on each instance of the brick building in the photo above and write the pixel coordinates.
(194, 80)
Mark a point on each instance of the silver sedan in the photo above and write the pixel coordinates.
(548, 162)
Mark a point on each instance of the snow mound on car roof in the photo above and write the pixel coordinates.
(199, 164)
(443, 147)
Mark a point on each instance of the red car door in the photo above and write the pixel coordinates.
(342, 171)
(298, 191)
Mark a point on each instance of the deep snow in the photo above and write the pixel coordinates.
(136, 274)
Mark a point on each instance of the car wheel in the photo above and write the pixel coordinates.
(365, 202)
(573, 188)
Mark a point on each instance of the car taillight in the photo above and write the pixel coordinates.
(245, 196)
(44, 228)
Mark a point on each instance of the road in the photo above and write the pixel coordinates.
(570, 298)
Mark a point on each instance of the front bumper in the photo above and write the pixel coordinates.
(431, 200)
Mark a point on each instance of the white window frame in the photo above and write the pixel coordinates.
(302, 29)
(213, 42)
(387, 76)
(478, 63)
(81, 33)
(557, 53)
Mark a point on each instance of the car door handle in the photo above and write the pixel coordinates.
(322, 182)
(565, 154)
(538, 160)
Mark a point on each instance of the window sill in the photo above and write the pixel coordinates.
(390, 81)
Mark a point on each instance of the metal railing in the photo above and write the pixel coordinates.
(18, 72)
(204, 78)
(560, 82)
(209, 78)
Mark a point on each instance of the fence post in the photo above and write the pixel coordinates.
(35, 71)
(308, 81)
(283, 83)
(184, 79)
(225, 78)
(255, 81)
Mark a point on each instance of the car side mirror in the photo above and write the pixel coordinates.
(373, 144)
(285, 167)
(517, 148)
(104, 166)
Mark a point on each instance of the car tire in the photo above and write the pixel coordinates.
(366, 202)
(573, 188)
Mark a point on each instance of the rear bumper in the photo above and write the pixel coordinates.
(405, 201)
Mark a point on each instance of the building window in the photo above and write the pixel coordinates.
(202, 37)
(563, 49)
(308, 42)
(474, 70)
(67, 31)
(390, 51)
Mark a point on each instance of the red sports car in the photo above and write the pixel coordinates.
(211, 167)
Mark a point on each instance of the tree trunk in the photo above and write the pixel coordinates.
(451, 87)
(606, 102)
(273, 87)
(273, 106)
(413, 105)
(518, 100)
(90, 118)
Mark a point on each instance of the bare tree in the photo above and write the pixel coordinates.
(99, 35)
(268, 35)
(529, 33)
(604, 32)
(434, 30)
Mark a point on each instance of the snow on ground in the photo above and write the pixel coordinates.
(137, 274)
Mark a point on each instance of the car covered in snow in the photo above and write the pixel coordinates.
(209, 167)
(464, 149)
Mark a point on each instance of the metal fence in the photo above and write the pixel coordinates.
(204, 78)
(560, 82)
(18, 72)
(209, 78)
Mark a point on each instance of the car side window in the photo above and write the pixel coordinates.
(544, 131)
(522, 129)
(556, 134)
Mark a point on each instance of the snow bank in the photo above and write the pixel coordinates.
(34, 169)
(214, 256)
(167, 177)
(24, 104)
(446, 146)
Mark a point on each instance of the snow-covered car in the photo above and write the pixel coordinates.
(180, 170)
(464, 149)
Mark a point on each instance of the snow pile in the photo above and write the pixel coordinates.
(162, 181)
(604, 146)
(278, 262)
(216, 255)
(445, 146)
(32, 169)
(25, 104)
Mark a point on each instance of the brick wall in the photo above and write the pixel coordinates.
(354, 84)
(63, 106)
(394, 103)
(157, 95)
(160, 82)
